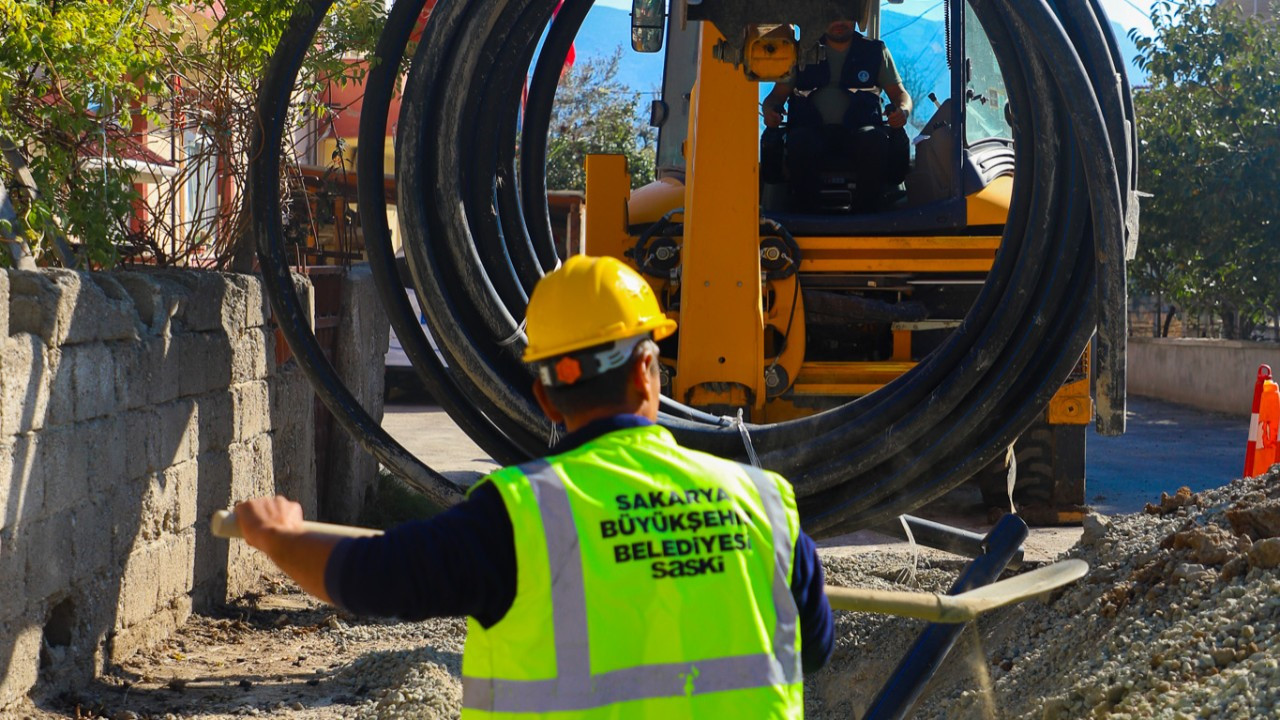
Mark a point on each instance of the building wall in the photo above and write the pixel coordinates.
(132, 405)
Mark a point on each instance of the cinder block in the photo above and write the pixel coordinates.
(62, 387)
(155, 308)
(207, 301)
(91, 541)
(25, 501)
(293, 437)
(205, 362)
(257, 306)
(157, 513)
(99, 309)
(49, 555)
(33, 305)
(65, 307)
(252, 401)
(251, 468)
(251, 358)
(108, 447)
(24, 384)
(177, 567)
(169, 381)
(123, 506)
(23, 661)
(138, 371)
(149, 632)
(116, 314)
(182, 485)
(140, 586)
(142, 428)
(178, 430)
(95, 376)
(217, 421)
(242, 471)
(64, 468)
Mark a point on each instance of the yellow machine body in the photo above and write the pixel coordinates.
(741, 343)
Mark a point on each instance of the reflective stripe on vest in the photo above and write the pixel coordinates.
(574, 687)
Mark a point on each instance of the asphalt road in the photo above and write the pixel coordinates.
(1165, 446)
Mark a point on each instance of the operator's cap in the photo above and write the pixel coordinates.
(586, 317)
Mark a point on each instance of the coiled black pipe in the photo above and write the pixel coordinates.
(265, 213)
(476, 243)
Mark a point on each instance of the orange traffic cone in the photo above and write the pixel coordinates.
(1260, 454)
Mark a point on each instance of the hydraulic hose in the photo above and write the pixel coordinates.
(477, 235)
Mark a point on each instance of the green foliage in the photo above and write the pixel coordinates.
(69, 73)
(594, 113)
(75, 74)
(1209, 126)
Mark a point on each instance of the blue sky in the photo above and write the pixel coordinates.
(1129, 13)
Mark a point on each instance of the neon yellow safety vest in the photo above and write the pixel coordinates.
(652, 581)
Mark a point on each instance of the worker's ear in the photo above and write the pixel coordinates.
(544, 402)
(644, 368)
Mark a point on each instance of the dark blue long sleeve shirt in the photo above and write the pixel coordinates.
(463, 562)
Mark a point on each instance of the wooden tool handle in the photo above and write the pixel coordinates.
(224, 525)
(921, 605)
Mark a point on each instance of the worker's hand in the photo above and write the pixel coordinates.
(266, 519)
(772, 116)
(896, 117)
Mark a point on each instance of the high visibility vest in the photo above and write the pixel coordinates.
(651, 581)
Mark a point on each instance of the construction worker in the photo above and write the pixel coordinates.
(621, 576)
(836, 120)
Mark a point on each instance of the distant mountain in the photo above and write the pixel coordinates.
(918, 46)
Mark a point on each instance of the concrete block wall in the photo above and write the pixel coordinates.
(362, 336)
(132, 405)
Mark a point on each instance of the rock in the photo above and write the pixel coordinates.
(1173, 503)
(1192, 572)
(1265, 554)
(1095, 529)
(1257, 521)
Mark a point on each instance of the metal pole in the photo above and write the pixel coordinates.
(907, 682)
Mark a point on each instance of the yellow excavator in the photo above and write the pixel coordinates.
(784, 314)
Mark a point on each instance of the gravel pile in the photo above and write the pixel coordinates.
(1176, 619)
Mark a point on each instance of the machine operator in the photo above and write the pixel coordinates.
(836, 119)
(621, 576)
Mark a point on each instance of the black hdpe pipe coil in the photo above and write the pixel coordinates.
(478, 236)
(266, 217)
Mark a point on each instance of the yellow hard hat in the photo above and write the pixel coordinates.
(590, 301)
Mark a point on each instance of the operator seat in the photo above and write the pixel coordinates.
(838, 181)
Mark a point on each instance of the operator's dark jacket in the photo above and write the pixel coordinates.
(462, 562)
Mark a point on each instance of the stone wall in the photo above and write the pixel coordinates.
(132, 405)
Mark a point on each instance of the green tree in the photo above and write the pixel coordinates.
(1209, 126)
(75, 74)
(595, 113)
